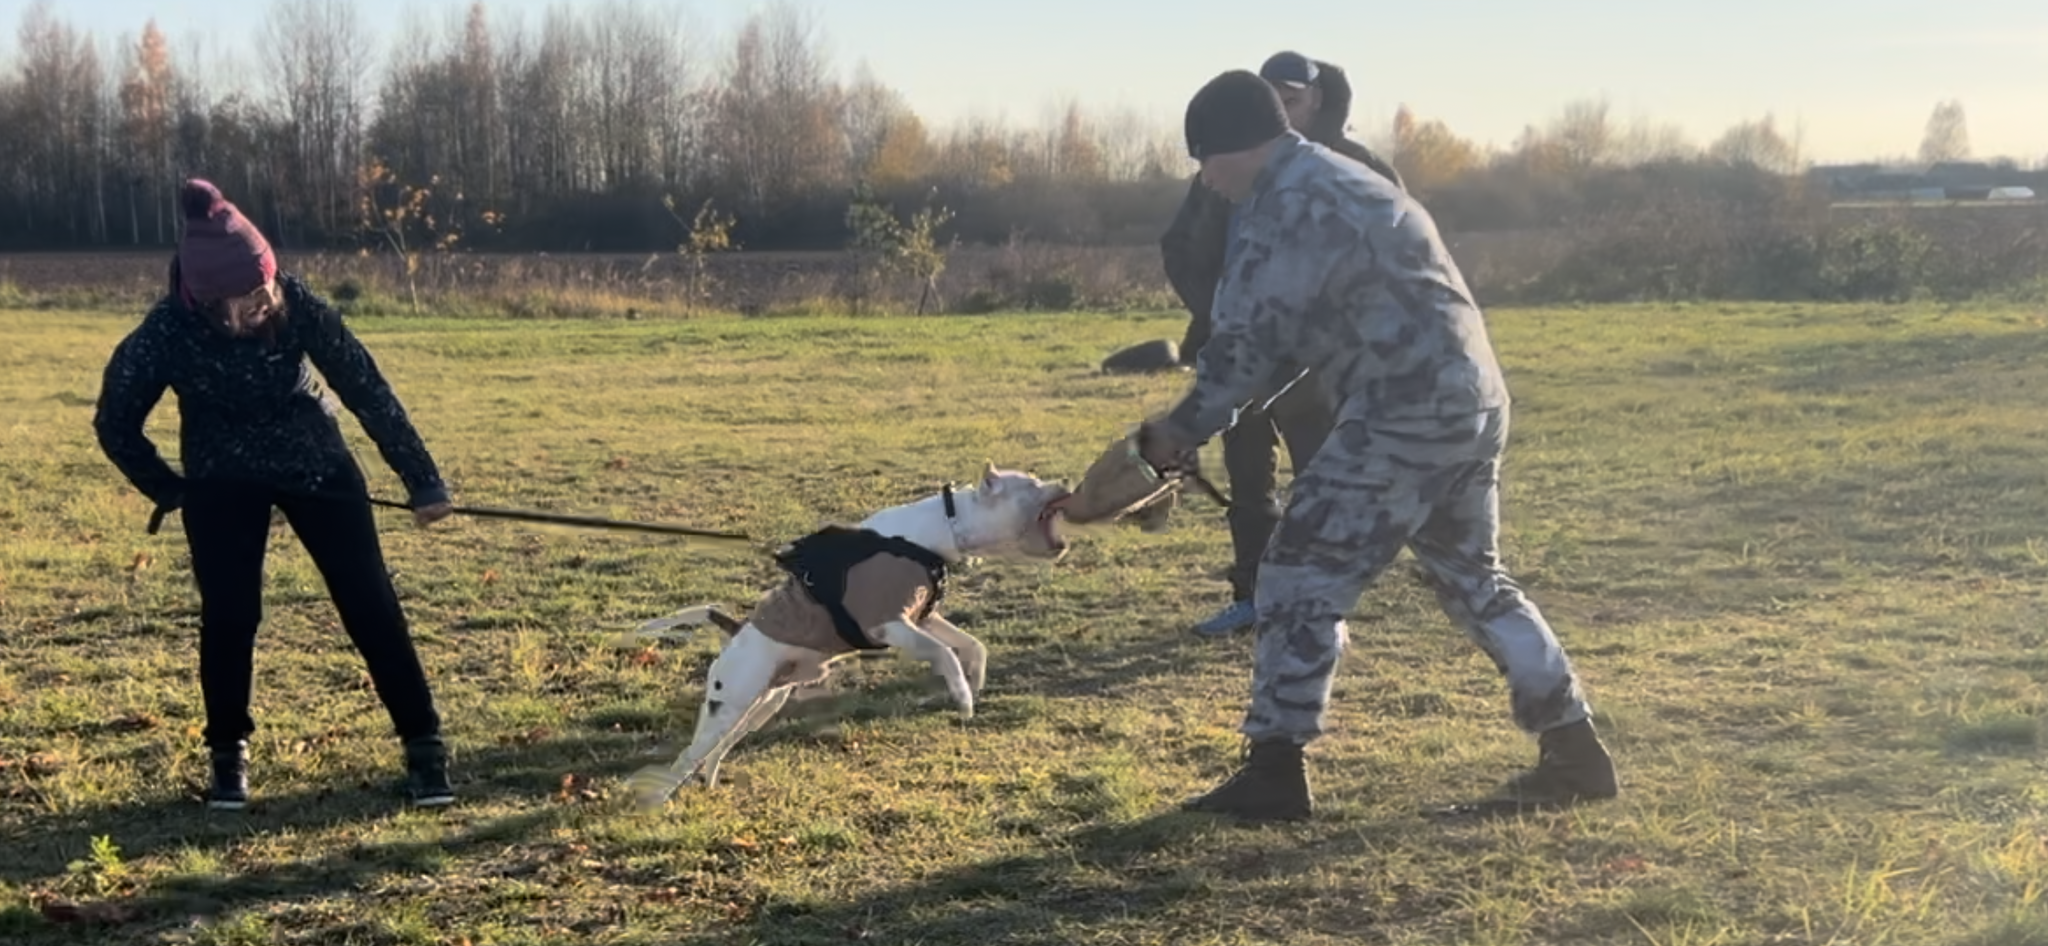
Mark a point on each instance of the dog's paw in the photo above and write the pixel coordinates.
(652, 786)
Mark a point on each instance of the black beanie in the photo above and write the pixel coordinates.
(1236, 111)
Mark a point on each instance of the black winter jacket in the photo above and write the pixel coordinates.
(250, 409)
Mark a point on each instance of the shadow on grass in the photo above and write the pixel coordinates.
(39, 846)
(1167, 874)
(184, 898)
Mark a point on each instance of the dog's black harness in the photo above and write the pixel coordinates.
(821, 560)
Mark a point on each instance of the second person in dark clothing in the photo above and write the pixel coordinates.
(1317, 96)
(233, 338)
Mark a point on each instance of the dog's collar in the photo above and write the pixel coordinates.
(953, 520)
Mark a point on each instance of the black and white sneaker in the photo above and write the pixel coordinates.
(426, 772)
(230, 790)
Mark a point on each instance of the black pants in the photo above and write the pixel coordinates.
(1301, 420)
(227, 527)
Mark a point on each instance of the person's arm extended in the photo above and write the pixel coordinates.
(130, 388)
(355, 378)
(1281, 262)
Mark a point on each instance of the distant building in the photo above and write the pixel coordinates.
(1942, 181)
(1972, 173)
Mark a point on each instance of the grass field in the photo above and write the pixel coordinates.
(1800, 555)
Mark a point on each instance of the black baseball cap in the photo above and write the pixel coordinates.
(1290, 68)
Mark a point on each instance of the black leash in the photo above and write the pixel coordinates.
(1208, 489)
(156, 519)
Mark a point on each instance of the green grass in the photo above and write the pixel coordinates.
(1799, 554)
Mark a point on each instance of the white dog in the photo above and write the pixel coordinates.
(868, 587)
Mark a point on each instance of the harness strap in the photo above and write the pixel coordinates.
(820, 562)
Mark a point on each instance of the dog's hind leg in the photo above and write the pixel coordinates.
(930, 649)
(797, 670)
(973, 653)
(757, 717)
(740, 678)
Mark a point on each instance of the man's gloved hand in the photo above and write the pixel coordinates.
(1167, 450)
(1138, 471)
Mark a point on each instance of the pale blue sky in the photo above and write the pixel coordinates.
(1861, 76)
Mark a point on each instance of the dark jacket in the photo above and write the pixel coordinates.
(1192, 246)
(250, 409)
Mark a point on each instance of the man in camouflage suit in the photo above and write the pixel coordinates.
(1317, 97)
(1334, 271)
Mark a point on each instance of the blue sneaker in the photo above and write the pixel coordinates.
(1239, 616)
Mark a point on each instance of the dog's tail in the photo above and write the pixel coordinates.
(698, 616)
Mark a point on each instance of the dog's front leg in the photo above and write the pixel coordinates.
(738, 680)
(973, 654)
(931, 650)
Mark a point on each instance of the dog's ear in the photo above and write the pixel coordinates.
(727, 626)
(988, 474)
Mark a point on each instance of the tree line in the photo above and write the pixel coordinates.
(606, 127)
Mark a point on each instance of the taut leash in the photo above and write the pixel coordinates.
(156, 519)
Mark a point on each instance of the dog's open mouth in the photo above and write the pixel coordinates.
(1048, 523)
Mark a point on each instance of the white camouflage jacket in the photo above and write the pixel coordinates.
(1334, 270)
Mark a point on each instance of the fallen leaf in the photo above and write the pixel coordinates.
(1626, 864)
(43, 764)
(141, 562)
(527, 738)
(646, 658)
(617, 463)
(135, 722)
(576, 787)
(490, 576)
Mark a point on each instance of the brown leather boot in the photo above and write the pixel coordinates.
(1272, 786)
(1571, 766)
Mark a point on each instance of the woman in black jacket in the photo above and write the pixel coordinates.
(233, 338)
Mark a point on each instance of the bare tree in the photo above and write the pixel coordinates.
(1758, 144)
(320, 58)
(1583, 135)
(870, 109)
(1428, 154)
(1647, 141)
(776, 114)
(1076, 155)
(60, 108)
(148, 102)
(1947, 137)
